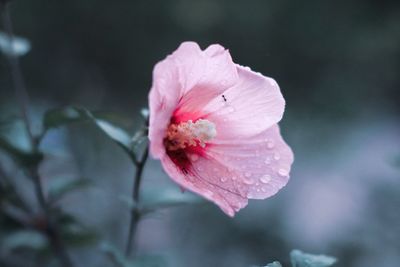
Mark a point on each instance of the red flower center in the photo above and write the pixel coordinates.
(188, 139)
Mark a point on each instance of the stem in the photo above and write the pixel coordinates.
(18, 80)
(135, 213)
(23, 101)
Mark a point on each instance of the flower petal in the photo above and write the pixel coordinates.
(261, 164)
(200, 181)
(230, 174)
(251, 106)
(183, 83)
(163, 99)
(203, 74)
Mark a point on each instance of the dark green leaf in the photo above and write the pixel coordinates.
(274, 264)
(120, 260)
(24, 239)
(60, 187)
(167, 197)
(115, 133)
(161, 198)
(72, 231)
(58, 117)
(301, 259)
(115, 255)
(26, 159)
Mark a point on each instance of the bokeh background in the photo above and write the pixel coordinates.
(338, 65)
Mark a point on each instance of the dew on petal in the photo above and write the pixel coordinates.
(277, 156)
(223, 179)
(265, 179)
(267, 161)
(248, 180)
(270, 144)
(283, 172)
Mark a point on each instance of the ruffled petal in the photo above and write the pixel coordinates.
(230, 174)
(248, 108)
(163, 99)
(203, 75)
(183, 83)
(200, 180)
(261, 164)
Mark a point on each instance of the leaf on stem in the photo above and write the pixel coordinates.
(60, 117)
(301, 259)
(161, 198)
(119, 260)
(60, 187)
(24, 239)
(274, 264)
(22, 157)
(72, 231)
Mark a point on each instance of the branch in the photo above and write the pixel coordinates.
(23, 101)
(135, 213)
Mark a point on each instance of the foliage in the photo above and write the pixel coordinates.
(301, 259)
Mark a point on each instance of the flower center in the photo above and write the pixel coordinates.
(189, 133)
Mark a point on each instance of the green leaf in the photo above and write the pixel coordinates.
(115, 133)
(72, 231)
(120, 260)
(274, 264)
(24, 158)
(24, 239)
(16, 46)
(168, 197)
(301, 259)
(115, 255)
(161, 198)
(60, 187)
(59, 117)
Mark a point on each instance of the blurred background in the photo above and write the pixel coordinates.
(338, 66)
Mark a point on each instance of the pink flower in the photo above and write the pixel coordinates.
(213, 125)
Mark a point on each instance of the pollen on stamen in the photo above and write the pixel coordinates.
(184, 141)
(189, 134)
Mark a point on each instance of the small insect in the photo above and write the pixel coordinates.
(223, 97)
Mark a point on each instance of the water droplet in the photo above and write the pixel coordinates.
(223, 179)
(267, 161)
(283, 172)
(277, 156)
(258, 190)
(265, 179)
(248, 180)
(270, 144)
